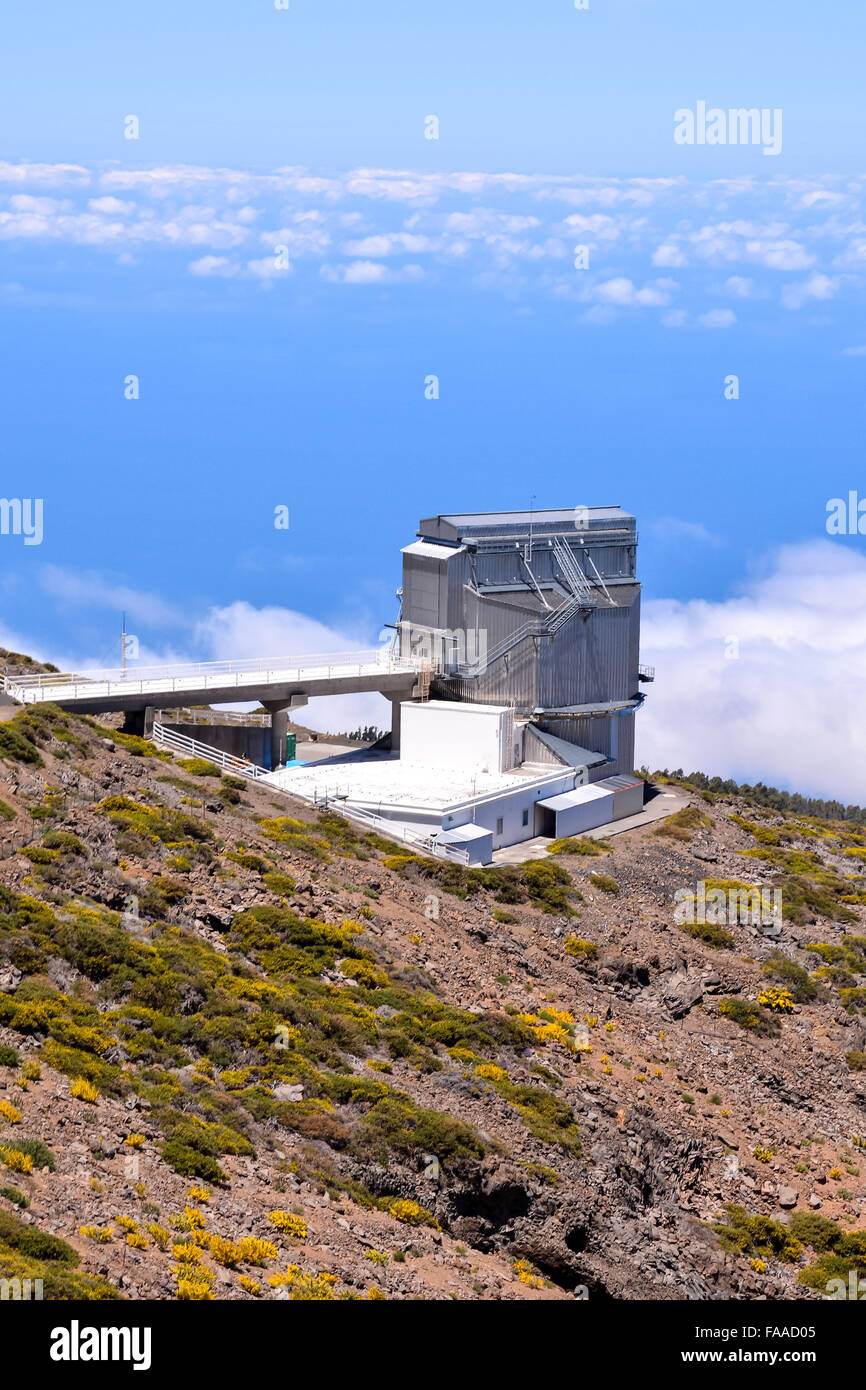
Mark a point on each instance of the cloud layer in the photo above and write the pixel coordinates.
(683, 250)
(765, 686)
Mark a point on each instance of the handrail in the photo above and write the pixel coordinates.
(374, 656)
(204, 676)
(213, 718)
(181, 743)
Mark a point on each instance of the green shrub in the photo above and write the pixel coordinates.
(580, 845)
(192, 1163)
(7, 812)
(750, 1016)
(682, 823)
(36, 1244)
(743, 1234)
(8, 1056)
(711, 933)
(248, 861)
(16, 745)
(792, 975)
(856, 1060)
(281, 885)
(200, 767)
(814, 1230)
(605, 884)
(15, 1196)
(63, 841)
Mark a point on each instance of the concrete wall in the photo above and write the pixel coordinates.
(252, 743)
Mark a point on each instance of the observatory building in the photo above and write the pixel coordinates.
(524, 628)
(539, 612)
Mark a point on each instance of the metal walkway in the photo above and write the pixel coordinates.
(266, 679)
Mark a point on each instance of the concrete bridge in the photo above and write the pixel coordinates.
(280, 684)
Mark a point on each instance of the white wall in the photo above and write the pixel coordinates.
(508, 806)
(455, 734)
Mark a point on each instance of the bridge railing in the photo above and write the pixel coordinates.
(204, 674)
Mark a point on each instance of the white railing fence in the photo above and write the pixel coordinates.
(180, 743)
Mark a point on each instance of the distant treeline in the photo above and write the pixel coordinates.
(369, 734)
(769, 796)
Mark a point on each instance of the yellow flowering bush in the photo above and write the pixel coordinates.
(303, 1287)
(135, 1141)
(255, 1251)
(159, 1235)
(8, 1112)
(101, 1234)
(488, 1071)
(776, 998)
(411, 1214)
(289, 1225)
(523, 1271)
(16, 1161)
(81, 1089)
(250, 1285)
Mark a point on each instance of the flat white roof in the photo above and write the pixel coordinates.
(579, 797)
(464, 833)
(390, 782)
(431, 551)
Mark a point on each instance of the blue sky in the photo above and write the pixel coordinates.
(297, 376)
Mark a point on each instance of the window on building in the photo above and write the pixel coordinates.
(499, 825)
(525, 817)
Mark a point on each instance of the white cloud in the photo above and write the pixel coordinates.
(111, 205)
(669, 254)
(369, 273)
(855, 351)
(268, 268)
(213, 265)
(717, 318)
(241, 631)
(390, 244)
(739, 287)
(89, 589)
(788, 711)
(622, 291)
(672, 528)
(817, 287)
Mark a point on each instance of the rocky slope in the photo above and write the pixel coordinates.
(246, 1051)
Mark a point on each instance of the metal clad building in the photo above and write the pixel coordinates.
(539, 611)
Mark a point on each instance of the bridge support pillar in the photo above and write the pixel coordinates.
(395, 723)
(279, 713)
